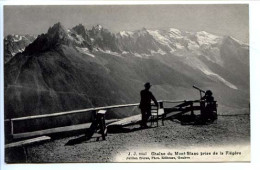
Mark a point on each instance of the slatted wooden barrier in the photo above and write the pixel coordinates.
(181, 108)
(58, 129)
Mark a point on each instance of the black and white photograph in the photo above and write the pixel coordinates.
(126, 83)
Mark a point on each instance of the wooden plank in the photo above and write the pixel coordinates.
(87, 110)
(53, 114)
(56, 130)
(160, 112)
(51, 131)
(102, 111)
(117, 106)
(127, 121)
(182, 111)
(180, 101)
(74, 111)
(172, 101)
(27, 142)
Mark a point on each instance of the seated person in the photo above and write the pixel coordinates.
(210, 109)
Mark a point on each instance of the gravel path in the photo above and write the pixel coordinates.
(228, 130)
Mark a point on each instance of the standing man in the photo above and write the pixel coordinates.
(145, 104)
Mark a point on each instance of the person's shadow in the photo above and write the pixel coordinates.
(89, 133)
(78, 140)
(87, 138)
(121, 129)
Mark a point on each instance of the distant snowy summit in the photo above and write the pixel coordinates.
(141, 42)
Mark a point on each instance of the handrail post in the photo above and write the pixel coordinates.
(161, 104)
(12, 127)
(191, 108)
(162, 107)
(202, 107)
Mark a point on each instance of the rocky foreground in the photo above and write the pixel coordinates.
(227, 133)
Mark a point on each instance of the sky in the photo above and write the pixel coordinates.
(232, 20)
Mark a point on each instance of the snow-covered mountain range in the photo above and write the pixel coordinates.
(78, 68)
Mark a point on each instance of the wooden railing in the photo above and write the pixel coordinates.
(13, 120)
(73, 112)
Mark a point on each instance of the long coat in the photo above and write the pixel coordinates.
(146, 98)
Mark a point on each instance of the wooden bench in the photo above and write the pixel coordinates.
(24, 143)
(27, 142)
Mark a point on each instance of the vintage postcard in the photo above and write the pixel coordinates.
(126, 83)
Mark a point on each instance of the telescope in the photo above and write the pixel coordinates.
(200, 90)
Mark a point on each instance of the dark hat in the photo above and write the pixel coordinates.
(147, 84)
(209, 92)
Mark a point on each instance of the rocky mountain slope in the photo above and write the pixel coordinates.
(14, 44)
(79, 68)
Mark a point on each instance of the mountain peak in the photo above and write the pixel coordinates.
(204, 37)
(57, 30)
(55, 36)
(125, 33)
(57, 26)
(98, 27)
(142, 32)
(80, 29)
(175, 31)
